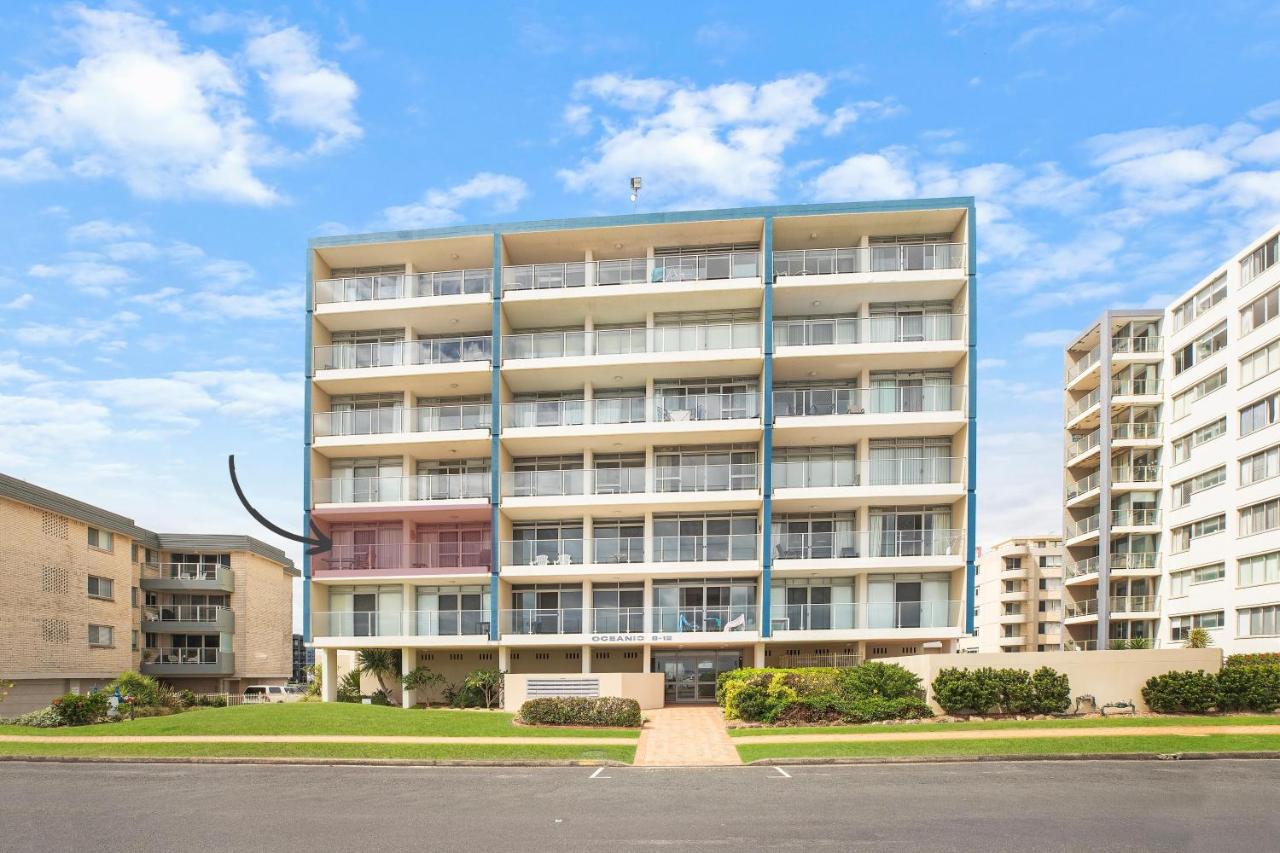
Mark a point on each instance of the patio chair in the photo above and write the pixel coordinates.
(737, 623)
(686, 624)
(564, 560)
(541, 560)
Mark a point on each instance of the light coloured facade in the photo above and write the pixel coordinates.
(1171, 432)
(675, 443)
(89, 594)
(1018, 601)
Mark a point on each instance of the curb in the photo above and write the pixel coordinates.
(324, 762)
(975, 759)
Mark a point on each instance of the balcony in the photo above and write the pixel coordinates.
(788, 620)
(630, 486)
(395, 419)
(1145, 433)
(1078, 409)
(1136, 346)
(187, 618)
(187, 577)
(1080, 610)
(865, 260)
(183, 662)
(1084, 527)
(384, 286)
(1128, 605)
(849, 413)
(1084, 486)
(395, 489)
(663, 269)
(1135, 387)
(1080, 569)
(891, 329)
(563, 553)
(1136, 562)
(1081, 445)
(867, 545)
(406, 558)
(1082, 366)
(1134, 518)
(462, 627)
(1071, 645)
(432, 351)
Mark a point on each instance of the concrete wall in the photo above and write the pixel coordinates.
(1108, 676)
(645, 687)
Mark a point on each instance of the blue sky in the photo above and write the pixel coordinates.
(162, 170)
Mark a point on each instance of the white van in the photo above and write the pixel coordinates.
(259, 693)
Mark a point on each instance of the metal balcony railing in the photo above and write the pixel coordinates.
(663, 269)
(395, 419)
(1135, 431)
(863, 544)
(898, 328)
(1134, 603)
(405, 557)
(1135, 517)
(869, 259)
(403, 353)
(183, 612)
(808, 402)
(1136, 345)
(1082, 527)
(1084, 486)
(171, 655)
(421, 487)
(1082, 366)
(1135, 387)
(1088, 607)
(1135, 474)
(1083, 444)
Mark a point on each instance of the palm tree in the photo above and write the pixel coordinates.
(382, 664)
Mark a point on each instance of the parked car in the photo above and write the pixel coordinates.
(265, 693)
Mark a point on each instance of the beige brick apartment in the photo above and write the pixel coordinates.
(86, 593)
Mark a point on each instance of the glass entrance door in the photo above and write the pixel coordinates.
(691, 676)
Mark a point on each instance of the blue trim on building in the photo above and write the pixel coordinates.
(971, 492)
(495, 439)
(306, 450)
(646, 219)
(766, 419)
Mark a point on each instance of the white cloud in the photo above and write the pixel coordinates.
(991, 363)
(135, 103)
(865, 177)
(721, 144)
(305, 91)
(78, 331)
(19, 302)
(103, 231)
(253, 394)
(1050, 338)
(92, 277)
(503, 193)
(858, 111)
(42, 427)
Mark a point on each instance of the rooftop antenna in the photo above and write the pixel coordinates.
(635, 192)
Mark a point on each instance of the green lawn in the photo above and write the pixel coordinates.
(1028, 746)
(333, 718)
(1091, 722)
(474, 752)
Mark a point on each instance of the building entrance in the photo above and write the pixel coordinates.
(690, 677)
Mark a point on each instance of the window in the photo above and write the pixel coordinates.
(100, 635)
(1050, 561)
(1258, 621)
(1183, 491)
(1258, 569)
(1180, 626)
(1179, 581)
(133, 640)
(100, 539)
(1182, 536)
(1182, 401)
(1183, 446)
(101, 587)
(133, 596)
(1259, 414)
(1259, 260)
(1199, 304)
(1012, 563)
(1260, 517)
(1260, 466)
(1261, 362)
(1260, 311)
(1201, 348)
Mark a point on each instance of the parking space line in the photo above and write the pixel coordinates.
(782, 774)
(597, 775)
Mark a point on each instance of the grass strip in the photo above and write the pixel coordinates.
(995, 725)
(1023, 746)
(422, 752)
(333, 718)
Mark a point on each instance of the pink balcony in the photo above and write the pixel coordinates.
(414, 558)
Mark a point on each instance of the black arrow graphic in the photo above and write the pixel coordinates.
(319, 545)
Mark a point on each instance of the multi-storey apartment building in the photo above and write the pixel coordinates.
(668, 443)
(1172, 503)
(89, 594)
(1018, 597)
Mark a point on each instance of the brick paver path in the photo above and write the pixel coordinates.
(690, 736)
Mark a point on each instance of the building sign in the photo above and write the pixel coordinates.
(631, 638)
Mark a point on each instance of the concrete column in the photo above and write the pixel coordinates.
(586, 660)
(650, 475)
(588, 410)
(758, 652)
(647, 652)
(504, 658)
(648, 265)
(864, 257)
(648, 591)
(329, 675)
(648, 546)
(587, 615)
(588, 546)
(408, 660)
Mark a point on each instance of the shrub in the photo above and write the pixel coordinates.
(1185, 692)
(1253, 659)
(1012, 691)
(485, 685)
(610, 711)
(1253, 687)
(1198, 638)
(211, 700)
(42, 718)
(143, 688)
(420, 676)
(821, 694)
(887, 680)
(188, 698)
(76, 709)
(349, 687)
(380, 697)
(1052, 691)
(966, 691)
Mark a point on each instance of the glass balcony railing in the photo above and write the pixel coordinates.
(1083, 365)
(612, 481)
(396, 419)
(863, 544)
(618, 549)
(709, 336)
(825, 473)
(1084, 404)
(1080, 568)
(421, 487)
(1135, 387)
(1135, 474)
(853, 615)
(396, 623)
(1083, 444)
(367, 288)
(403, 353)
(1073, 609)
(185, 571)
(1083, 527)
(709, 548)
(630, 341)
(672, 406)
(1134, 603)
(407, 557)
(663, 269)
(916, 328)
(1135, 517)
(208, 613)
(699, 620)
(1084, 486)
(1135, 431)
(179, 656)
(808, 402)
(869, 259)
(1136, 345)
(1135, 561)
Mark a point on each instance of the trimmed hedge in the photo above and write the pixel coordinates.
(1253, 659)
(1254, 687)
(1181, 692)
(1011, 691)
(608, 711)
(866, 693)
(1242, 685)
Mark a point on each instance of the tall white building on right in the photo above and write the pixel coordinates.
(1171, 508)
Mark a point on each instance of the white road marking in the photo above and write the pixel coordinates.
(597, 775)
(783, 774)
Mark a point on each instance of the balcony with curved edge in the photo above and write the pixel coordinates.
(425, 300)
(935, 271)
(429, 367)
(620, 424)
(462, 427)
(1015, 641)
(549, 360)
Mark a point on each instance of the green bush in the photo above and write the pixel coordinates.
(1010, 691)
(212, 700)
(866, 693)
(188, 698)
(887, 680)
(42, 718)
(1253, 687)
(349, 687)
(1181, 692)
(611, 711)
(966, 691)
(1052, 691)
(143, 688)
(1253, 659)
(77, 709)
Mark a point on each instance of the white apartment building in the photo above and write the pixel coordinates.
(1018, 597)
(1172, 504)
(679, 443)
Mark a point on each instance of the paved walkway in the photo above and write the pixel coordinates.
(1009, 734)
(690, 736)
(387, 739)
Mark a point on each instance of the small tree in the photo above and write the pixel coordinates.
(349, 687)
(487, 683)
(420, 676)
(382, 664)
(1198, 638)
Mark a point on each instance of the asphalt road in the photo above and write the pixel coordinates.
(1018, 806)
